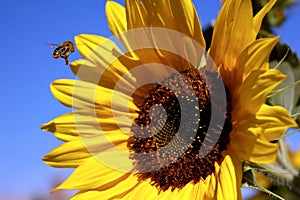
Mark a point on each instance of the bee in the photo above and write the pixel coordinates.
(63, 50)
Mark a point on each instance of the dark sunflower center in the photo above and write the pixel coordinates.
(175, 119)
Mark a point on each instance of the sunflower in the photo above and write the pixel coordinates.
(136, 133)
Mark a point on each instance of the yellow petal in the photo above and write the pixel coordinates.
(63, 131)
(253, 92)
(74, 152)
(109, 130)
(211, 183)
(136, 14)
(230, 177)
(186, 16)
(188, 192)
(102, 65)
(106, 76)
(146, 191)
(256, 56)
(260, 15)
(92, 174)
(81, 119)
(68, 155)
(99, 50)
(81, 95)
(92, 124)
(86, 70)
(116, 17)
(274, 120)
(225, 182)
(65, 137)
(233, 33)
(251, 136)
(116, 191)
(200, 190)
(117, 21)
(67, 128)
(160, 14)
(251, 145)
(89, 195)
(143, 191)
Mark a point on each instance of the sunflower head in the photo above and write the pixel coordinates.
(158, 114)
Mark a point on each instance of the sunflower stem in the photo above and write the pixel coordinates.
(286, 135)
(282, 59)
(275, 92)
(295, 115)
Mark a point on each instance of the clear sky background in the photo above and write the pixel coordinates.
(27, 69)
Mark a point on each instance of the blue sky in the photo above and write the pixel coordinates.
(27, 69)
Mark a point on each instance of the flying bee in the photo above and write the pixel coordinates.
(63, 50)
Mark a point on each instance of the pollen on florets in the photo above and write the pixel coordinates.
(188, 166)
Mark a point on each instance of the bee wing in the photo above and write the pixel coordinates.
(52, 45)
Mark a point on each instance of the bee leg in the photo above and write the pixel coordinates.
(66, 58)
